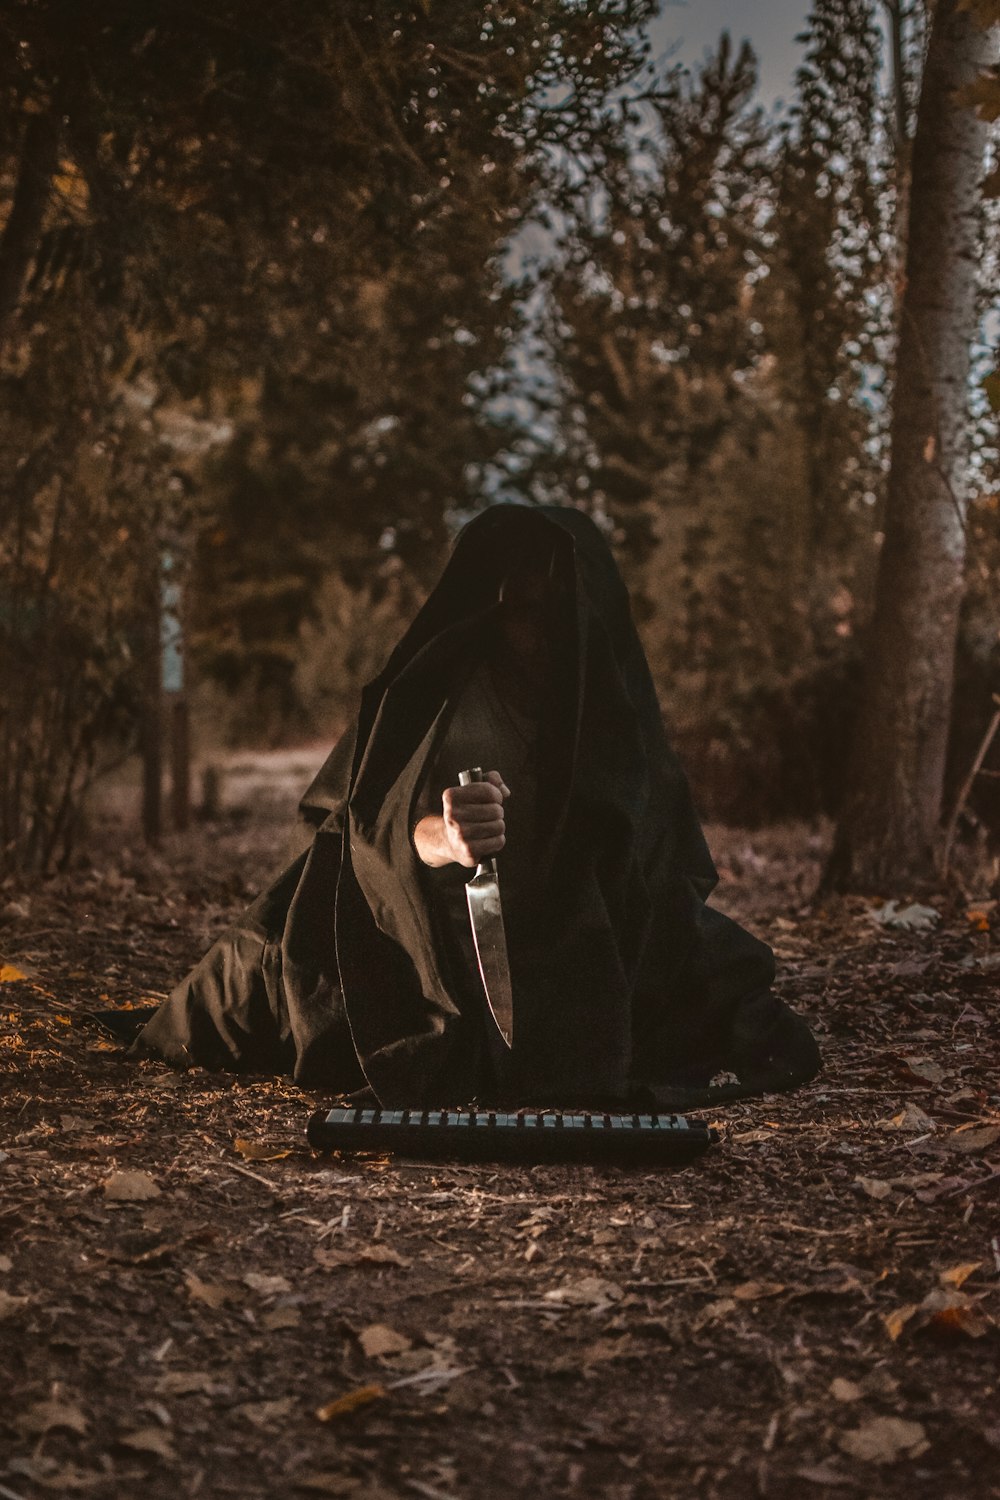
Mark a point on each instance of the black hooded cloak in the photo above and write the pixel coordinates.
(627, 985)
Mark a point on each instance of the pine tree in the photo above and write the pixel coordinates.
(833, 257)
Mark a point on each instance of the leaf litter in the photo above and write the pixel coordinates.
(815, 1303)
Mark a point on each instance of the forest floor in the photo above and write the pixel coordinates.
(193, 1303)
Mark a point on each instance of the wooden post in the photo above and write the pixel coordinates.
(180, 763)
(172, 682)
(152, 727)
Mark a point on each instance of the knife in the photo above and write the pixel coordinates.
(486, 915)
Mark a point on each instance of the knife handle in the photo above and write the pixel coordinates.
(466, 778)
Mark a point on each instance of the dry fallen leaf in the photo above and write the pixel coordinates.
(845, 1390)
(52, 1416)
(340, 1486)
(382, 1255)
(280, 1317)
(260, 1150)
(149, 1440)
(366, 1255)
(882, 1440)
(897, 1320)
(265, 1413)
(911, 1117)
(334, 1260)
(714, 1312)
(912, 918)
(603, 1350)
(754, 1291)
(11, 1305)
(925, 1068)
(956, 1276)
(378, 1340)
(363, 1395)
(214, 1294)
(913, 1180)
(942, 1188)
(268, 1286)
(950, 1312)
(975, 1139)
(185, 1383)
(130, 1187)
(590, 1291)
(825, 1475)
(414, 1361)
(943, 1311)
(874, 1187)
(52, 1475)
(10, 974)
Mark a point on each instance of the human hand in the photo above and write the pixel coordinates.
(470, 828)
(474, 819)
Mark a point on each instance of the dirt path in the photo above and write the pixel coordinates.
(808, 1310)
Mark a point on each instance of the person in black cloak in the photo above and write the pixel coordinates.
(355, 971)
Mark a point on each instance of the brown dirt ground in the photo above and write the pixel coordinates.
(809, 1309)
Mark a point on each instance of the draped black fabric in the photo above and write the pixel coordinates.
(626, 983)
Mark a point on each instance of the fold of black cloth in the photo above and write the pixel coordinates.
(123, 1025)
(624, 978)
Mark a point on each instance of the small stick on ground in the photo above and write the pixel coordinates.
(966, 788)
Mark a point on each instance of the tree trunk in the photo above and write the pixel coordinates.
(890, 818)
(151, 727)
(180, 762)
(902, 142)
(24, 224)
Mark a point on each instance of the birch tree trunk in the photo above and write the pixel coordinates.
(889, 823)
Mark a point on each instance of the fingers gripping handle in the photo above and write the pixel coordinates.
(466, 778)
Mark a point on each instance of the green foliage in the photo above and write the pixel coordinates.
(271, 287)
(715, 320)
(256, 248)
(650, 318)
(833, 241)
(71, 551)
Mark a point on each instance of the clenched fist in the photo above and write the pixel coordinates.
(470, 827)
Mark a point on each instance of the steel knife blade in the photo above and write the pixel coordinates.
(482, 893)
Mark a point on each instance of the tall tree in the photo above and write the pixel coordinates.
(651, 322)
(831, 238)
(678, 338)
(283, 219)
(889, 822)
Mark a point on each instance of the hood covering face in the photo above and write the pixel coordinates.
(624, 977)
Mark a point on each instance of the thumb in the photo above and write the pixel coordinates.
(498, 782)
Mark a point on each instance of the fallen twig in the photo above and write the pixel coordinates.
(966, 788)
